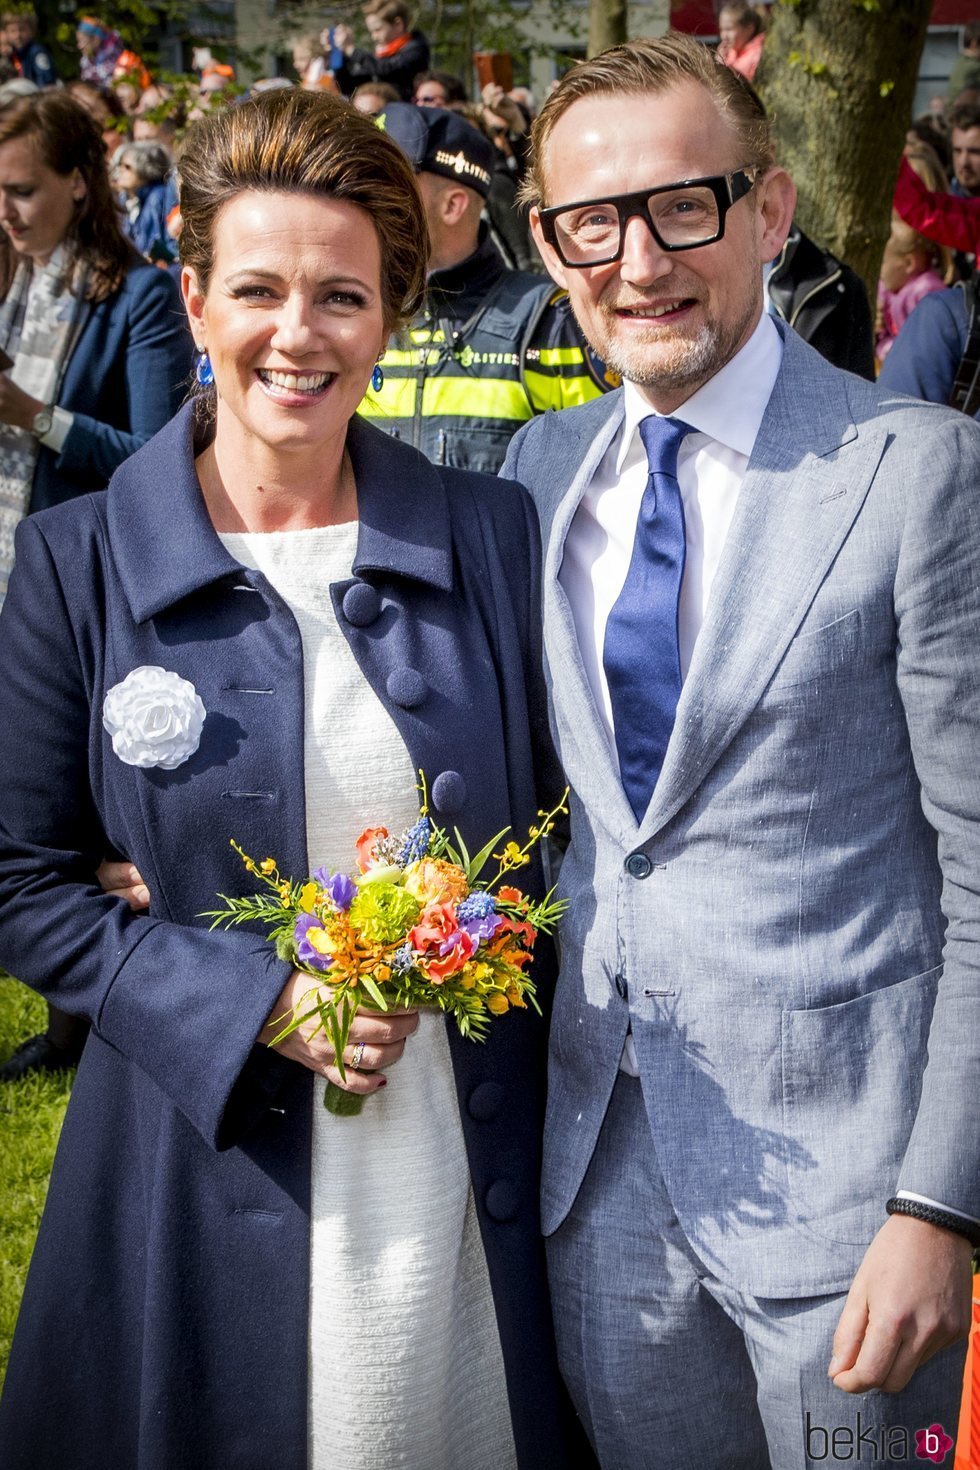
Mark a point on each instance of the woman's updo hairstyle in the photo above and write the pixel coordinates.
(298, 142)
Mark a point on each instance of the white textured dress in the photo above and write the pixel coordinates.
(405, 1362)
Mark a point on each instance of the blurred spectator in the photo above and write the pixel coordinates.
(309, 62)
(399, 52)
(102, 104)
(12, 86)
(142, 174)
(824, 301)
(373, 97)
(438, 89)
(31, 59)
(742, 38)
(909, 272)
(163, 128)
(99, 49)
(100, 353)
(923, 132)
(964, 130)
(130, 69)
(926, 357)
(508, 221)
(966, 67)
(949, 219)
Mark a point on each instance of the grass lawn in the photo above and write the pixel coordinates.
(30, 1121)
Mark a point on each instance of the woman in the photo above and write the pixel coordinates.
(142, 174)
(742, 36)
(99, 349)
(268, 1284)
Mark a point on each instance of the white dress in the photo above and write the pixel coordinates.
(405, 1362)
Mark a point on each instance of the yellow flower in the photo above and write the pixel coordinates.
(308, 895)
(268, 865)
(482, 971)
(512, 856)
(285, 894)
(515, 997)
(498, 1003)
(320, 940)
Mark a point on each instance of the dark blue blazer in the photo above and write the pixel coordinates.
(164, 1324)
(126, 376)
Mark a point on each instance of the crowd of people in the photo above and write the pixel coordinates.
(307, 336)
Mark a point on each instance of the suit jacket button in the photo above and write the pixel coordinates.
(485, 1101)
(406, 688)
(362, 604)
(502, 1200)
(449, 792)
(638, 865)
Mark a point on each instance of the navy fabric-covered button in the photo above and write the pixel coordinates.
(449, 792)
(485, 1101)
(406, 688)
(502, 1200)
(638, 865)
(362, 604)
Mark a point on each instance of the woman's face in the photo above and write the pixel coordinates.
(293, 319)
(731, 33)
(125, 176)
(87, 44)
(36, 204)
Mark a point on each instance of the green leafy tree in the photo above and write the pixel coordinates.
(838, 78)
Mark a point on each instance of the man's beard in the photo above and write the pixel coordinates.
(673, 364)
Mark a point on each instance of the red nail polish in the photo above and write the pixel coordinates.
(382, 1082)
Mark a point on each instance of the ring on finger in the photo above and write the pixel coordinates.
(355, 1060)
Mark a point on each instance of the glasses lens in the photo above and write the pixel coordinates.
(681, 217)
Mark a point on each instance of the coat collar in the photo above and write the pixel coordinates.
(166, 548)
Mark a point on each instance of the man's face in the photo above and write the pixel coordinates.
(966, 158)
(667, 321)
(19, 30)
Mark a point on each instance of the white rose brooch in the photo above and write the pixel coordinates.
(155, 718)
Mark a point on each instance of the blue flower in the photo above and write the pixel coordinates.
(416, 843)
(338, 887)
(305, 952)
(478, 905)
(403, 959)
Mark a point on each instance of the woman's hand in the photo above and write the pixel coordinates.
(17, 407)
(383, 1033)
(123, 880)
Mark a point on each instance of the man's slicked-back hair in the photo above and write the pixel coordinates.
(647, 67)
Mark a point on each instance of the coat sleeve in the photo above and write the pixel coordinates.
(182, 1004)
(156, 349)
(937, 608)
(945, 218)
(927, 351)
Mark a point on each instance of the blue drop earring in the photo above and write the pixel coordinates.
(204, 372)
(377, 378)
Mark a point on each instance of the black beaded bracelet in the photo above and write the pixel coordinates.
(932, 1215)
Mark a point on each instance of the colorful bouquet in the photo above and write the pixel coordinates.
(417, 925)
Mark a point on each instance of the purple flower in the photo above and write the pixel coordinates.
(305, 952)
(480, 929)
(478, 915)
(337, 886)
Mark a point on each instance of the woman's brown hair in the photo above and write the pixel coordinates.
(298, 142)
(68, 139)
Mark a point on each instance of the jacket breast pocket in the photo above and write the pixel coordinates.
(828, 652)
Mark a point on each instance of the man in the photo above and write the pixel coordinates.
(761, 628)
(491, 346)
(964, 125)
(33, 61)
(966, 67)
(824, 301)
(934, 349)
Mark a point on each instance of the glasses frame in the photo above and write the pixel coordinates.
(728, 189)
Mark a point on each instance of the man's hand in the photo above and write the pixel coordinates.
(909, 1299)
(497, 100)
(124, 881)
(16, 406)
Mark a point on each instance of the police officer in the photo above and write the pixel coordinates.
(492, 346)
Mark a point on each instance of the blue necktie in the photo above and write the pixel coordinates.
(641, 653)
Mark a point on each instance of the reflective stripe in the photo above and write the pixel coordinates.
(561, 357)
(423, 335)
(395, 401)
(398, 357)
(559, 392)
(474, 398)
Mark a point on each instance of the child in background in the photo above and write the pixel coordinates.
(911, 268)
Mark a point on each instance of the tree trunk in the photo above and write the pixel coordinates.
(838, 78)
(607, 24)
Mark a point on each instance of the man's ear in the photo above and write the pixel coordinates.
(547, 252)
(454, 202)
(194, 305)
(776, 201)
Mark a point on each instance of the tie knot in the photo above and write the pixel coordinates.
(662, 438)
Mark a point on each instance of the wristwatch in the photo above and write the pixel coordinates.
(42, 421)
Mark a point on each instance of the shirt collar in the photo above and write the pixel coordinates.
(729, 407)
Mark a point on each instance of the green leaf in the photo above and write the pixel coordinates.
(371, 986)
(464, 863)
(479, 862)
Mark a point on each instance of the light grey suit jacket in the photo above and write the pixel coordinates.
(801, 967)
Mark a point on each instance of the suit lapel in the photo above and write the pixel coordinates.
(806, 481)
(584, 752)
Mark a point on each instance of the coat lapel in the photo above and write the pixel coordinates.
(584, 748)
(806, 481)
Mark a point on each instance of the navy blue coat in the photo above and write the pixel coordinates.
(126, 376)
(924, 359)
(164, 1323)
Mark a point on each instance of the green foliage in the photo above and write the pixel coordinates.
(31, 1112)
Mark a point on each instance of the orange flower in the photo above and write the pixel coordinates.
(434, 881)
(510, 895)
(365, 846)
(440, 966)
